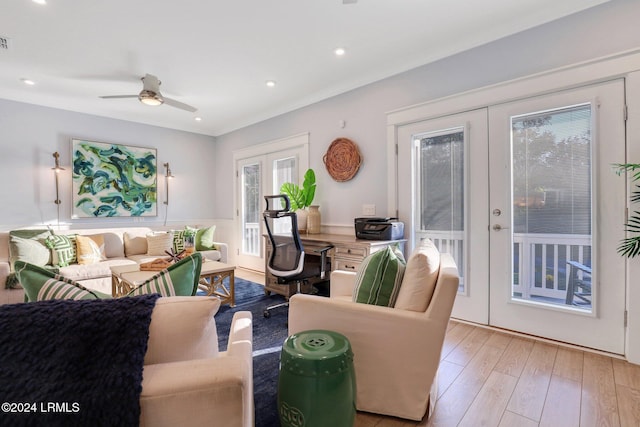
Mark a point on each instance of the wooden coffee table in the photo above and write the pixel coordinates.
(212, 278)
(124, 278)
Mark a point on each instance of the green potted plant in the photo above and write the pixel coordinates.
(301, 197)
(630, 247)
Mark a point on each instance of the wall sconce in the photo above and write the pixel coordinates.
(168, 175)
(57, 170)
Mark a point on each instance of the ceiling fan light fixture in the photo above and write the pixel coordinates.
(149, 97)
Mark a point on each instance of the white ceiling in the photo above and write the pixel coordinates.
(216, 55)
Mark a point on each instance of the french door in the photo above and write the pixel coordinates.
(257, 176)
(557, 214)
(444, 196)
(524, 197)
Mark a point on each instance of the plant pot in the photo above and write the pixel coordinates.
(302, 220)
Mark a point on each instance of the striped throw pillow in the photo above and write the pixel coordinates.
(379, 278)
(40, 284)
(180, 279)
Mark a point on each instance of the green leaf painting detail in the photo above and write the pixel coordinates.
(113, 180)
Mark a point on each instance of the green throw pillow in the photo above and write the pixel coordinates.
(28, 246)
(179, 279)
(204, 239)
(40, 284)
(379, 278)
(63, 249)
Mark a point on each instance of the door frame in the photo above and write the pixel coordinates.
(625, 64)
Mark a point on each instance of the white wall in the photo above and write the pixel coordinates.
(30, 134)
(600, 31)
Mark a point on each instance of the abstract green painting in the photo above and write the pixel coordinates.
(113, 180)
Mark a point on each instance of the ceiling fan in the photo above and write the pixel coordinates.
(150, 95)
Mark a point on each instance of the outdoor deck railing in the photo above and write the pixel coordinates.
(539, 260)
(251, 238)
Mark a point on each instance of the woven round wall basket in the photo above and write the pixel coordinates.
(342, 159)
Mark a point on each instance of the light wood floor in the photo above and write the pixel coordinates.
(490, 378)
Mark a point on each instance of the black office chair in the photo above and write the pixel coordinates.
(287, 261)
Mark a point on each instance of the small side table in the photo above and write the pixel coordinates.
(316, 383)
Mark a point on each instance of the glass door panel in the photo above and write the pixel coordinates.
(285, 169)
(440, 186)
(251, 179)
(551, 198)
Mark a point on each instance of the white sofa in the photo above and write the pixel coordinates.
(186, 380)
(396, 351)
(118, 251)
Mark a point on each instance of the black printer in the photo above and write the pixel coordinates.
(379, 228)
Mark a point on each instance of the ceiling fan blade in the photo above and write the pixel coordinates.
(119, 96)
(179, 104)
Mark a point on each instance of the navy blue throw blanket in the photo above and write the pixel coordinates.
(73, 363)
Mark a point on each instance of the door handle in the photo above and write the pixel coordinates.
(498, 227)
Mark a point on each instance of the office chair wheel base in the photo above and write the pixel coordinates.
(266, 314)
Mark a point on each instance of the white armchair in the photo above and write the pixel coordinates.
(186, 381)
(396, 351)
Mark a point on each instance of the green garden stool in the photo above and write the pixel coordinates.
(317, 383)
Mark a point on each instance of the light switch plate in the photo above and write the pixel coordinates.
(368, 210)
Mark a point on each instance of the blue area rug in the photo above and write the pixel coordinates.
(268, 336)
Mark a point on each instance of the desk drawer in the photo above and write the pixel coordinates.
(341, 251)
(347, 264)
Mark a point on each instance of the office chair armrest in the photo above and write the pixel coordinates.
(325, 249)
(323, 259)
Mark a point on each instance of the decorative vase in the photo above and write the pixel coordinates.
(302, 220)
(313, 220)
(189, 244)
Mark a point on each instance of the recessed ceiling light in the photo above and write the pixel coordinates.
(270, 83)
(198, 119)
(339, 51)
(40, 1)
(28, 82)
